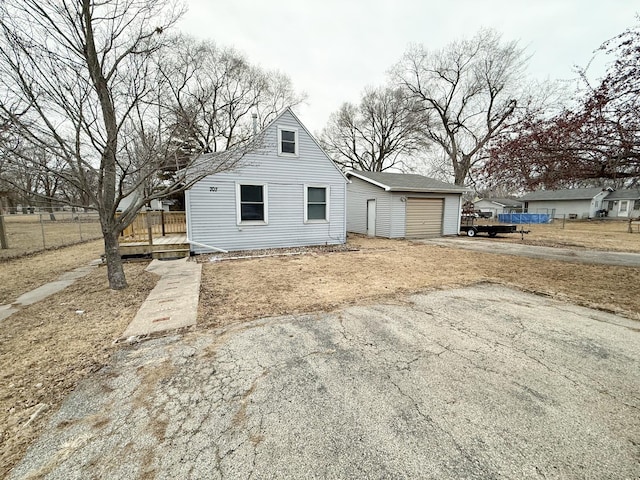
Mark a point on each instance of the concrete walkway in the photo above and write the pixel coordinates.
(173, 303)
(47, 289)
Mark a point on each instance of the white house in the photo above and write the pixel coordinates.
(623, 203)
(286, 193)
(496, 206)
(571, 202)
(156, 204)
(398, 205)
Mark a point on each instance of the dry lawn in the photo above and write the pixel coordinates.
(28, 272)
(610, 235)
(46, 348)
(233, 291)
(25, 232)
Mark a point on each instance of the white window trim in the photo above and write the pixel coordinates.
(265, 197)
(327, 211)
(626, 206)
(297, 142)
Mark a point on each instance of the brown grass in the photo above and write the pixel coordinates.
(246, 289)
(25, 232)
(45, 349)
(26, 273)
(609, 235)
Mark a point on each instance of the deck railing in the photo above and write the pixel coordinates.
(155, 223)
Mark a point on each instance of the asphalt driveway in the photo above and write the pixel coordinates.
(481, 382)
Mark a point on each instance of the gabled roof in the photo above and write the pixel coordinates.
(288, 109)
(406, 182)
(566, 194)
(503, 202)
(203, 159)
(624, 194)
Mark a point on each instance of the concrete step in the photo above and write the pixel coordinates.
(177, 253)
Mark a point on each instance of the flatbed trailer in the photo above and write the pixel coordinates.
(491, 230)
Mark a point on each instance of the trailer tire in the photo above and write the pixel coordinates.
(493, 234)
(471, 232)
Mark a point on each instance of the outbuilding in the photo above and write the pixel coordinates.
(400, 205)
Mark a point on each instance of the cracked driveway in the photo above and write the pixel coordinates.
(482, 382)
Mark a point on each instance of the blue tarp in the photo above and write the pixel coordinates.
(524, 218)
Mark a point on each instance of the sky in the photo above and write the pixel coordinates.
(333, 49)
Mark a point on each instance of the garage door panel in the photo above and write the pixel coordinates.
(424, 217)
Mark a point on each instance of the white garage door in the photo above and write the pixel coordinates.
(424, 217)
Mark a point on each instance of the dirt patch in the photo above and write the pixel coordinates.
(46, 348)
(26, 273)
(247, 289)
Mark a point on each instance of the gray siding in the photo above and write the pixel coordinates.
(358, 192)
(398, 216)
(582, 208)
(496, 209)
(391, 210)
(211, 215)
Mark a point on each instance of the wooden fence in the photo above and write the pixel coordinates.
(160, 222)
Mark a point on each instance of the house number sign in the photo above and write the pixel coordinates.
(213, 189)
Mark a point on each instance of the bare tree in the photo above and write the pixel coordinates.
(383, 131)
(75, 78)
(211, 93)
(469, 89)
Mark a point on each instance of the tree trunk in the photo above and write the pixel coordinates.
(115, 271)
(49, 209)
(460, 175)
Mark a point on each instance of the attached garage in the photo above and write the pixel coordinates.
(398, 205)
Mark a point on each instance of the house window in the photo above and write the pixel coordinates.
(316, 204)
(287, 141)
(251, 203)
(636, 205)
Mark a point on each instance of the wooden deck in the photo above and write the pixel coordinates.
(168, 246)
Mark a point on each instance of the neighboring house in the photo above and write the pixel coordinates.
(155, 204)
(623, 203)
(571, 202)
(286, 193)
(498, 205)
(398, 205)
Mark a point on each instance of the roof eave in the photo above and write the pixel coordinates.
(367, 179)
(427, 190)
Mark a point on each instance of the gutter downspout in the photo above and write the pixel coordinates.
(193, 242)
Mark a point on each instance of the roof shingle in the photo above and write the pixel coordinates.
(566, 194)
(407, 182)
(624, 194)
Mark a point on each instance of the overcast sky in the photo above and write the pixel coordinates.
(333, 49)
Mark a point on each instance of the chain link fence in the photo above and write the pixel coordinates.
(24, 233)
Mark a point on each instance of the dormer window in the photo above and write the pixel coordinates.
(287, 141)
